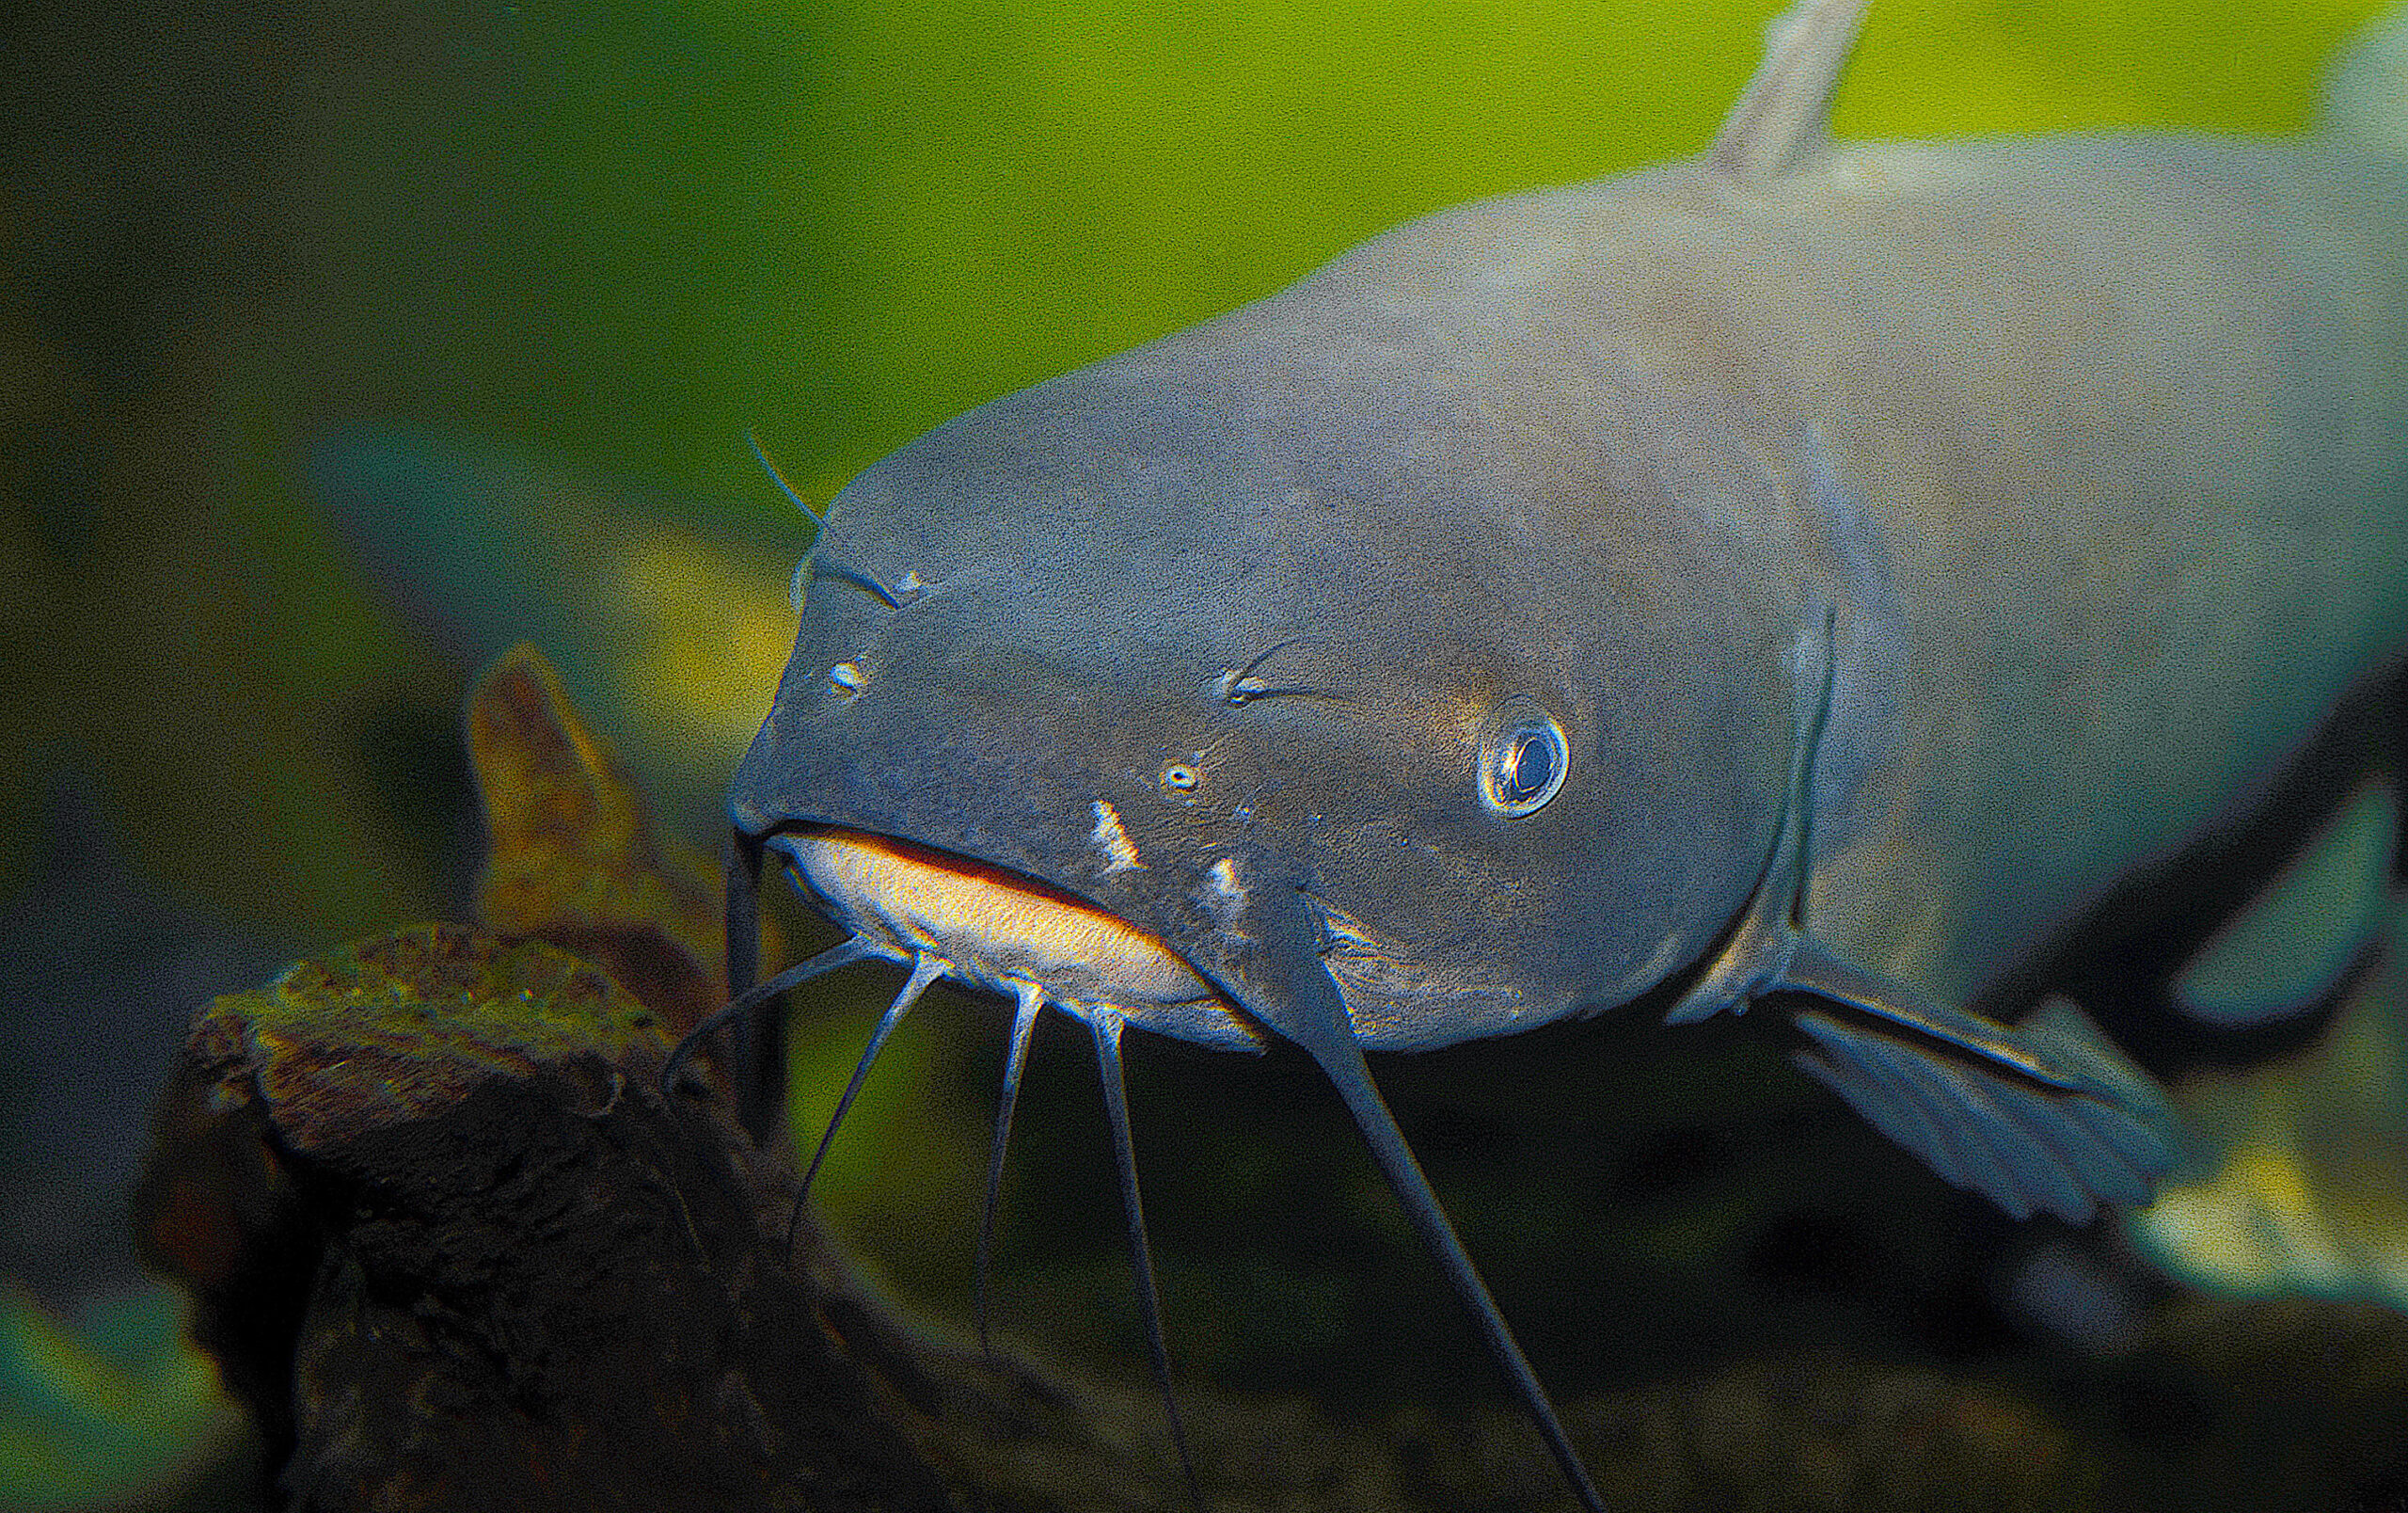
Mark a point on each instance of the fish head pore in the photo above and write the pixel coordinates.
(1283, 661)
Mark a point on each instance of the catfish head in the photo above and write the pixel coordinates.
(1272, 648)
(1268, 681)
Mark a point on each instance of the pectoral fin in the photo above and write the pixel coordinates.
(2045, 1116)
(2042, 1117)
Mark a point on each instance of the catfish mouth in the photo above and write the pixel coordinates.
(949, 914)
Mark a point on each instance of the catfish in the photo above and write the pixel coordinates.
(1811, 574)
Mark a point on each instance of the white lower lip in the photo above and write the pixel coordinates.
(991, 929)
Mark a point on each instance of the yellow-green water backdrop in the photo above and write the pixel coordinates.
(598, 244)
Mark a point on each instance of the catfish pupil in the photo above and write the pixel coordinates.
(1527, 769)
(1527, 755)
(1524, 768)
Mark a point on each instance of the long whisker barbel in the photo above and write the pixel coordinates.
(741, 1007)
(1031, 999)
(926, 969)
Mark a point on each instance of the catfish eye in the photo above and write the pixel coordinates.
(1522, 763)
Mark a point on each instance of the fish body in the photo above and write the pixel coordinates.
(1809, 573)
(2094, 451)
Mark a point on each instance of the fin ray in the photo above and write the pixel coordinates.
(1812, 968)
(2095, 1131)
(1784, 116)
(1877, 1092)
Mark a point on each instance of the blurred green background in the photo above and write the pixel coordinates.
(341, 344)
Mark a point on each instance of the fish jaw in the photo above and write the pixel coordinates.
(940, 808)
(998, 930)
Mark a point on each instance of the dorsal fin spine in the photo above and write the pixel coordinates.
(1783, 116)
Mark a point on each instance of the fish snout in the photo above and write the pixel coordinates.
(1118, 874)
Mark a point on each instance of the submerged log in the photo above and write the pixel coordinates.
(494, 1265)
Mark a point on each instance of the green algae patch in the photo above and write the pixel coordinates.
(401, 1027)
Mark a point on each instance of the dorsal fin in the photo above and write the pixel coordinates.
(1783, 117)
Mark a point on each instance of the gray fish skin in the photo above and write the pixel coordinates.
(2095, 449)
